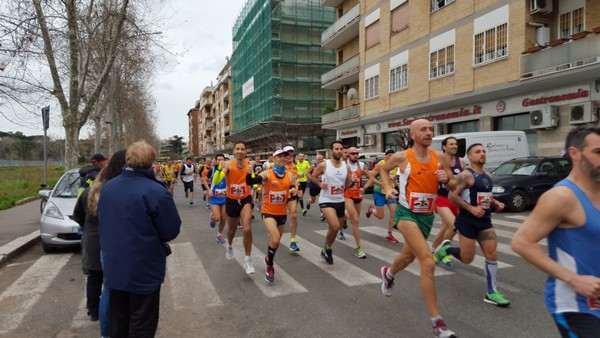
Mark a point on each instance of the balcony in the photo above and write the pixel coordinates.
(331, 3)
(343, 30)
(341, 114)
(225, 130)
(226, 95)
(225, 113)
(344, 74)
(570, 55)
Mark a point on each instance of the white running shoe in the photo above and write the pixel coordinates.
(248, 265)
(229, 252)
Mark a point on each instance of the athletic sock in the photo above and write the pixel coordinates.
(389, 275)
(434, 320)
(271, 254)
(293, 239)
(301, 203)
(491, 270)
(327, 247)
(454, 252)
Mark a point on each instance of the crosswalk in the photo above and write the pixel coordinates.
(185, 268)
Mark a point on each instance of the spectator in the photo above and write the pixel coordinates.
(89, 172)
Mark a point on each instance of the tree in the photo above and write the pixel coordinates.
(175, 146)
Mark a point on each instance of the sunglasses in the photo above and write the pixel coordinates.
(353, 153)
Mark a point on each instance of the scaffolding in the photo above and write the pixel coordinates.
(276, 69)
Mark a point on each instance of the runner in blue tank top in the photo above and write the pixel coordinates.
(569, 216)
(217, 193)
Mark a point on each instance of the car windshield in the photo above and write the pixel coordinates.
(515, 168)
(67, 186)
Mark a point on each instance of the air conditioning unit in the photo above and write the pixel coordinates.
(360, 141)
(344, 89)
(583, 113)
(540, 6)
(370, 140)
(545, 117)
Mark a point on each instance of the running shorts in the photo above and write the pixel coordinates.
(340, 208)
(423, 221)
(380, 199)
(233, 207)
(444, 202)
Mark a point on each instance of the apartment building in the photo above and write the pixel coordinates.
(276, 69)
(206, 124)
(193, 140)
(466, 65)
(221, 111)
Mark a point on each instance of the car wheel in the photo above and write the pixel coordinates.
(517, 201)
(47, 248)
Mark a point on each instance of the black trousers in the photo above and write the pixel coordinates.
(93, 289)
(132, 315)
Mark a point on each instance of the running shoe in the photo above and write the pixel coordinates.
(370, 210)
(496, 298)
(229, 252)
(220, 239)
(239, 224)
(191, 202)
(440, 330)
(386, 283)
(391, 238)
(258, 207)
(360, 253)
(345, 225)
(307, 206)
(327, 255)
(248, 265)
(294, 247)
(270, 273)
(441, 256)
(322, 218)
(340, 236)
(207, 206)
(304, 211)
(212, 221)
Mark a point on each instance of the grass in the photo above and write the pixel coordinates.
(17, 183)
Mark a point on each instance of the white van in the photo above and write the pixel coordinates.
(500, 146)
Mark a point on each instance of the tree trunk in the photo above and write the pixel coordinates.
(98, 139)
(71, 145)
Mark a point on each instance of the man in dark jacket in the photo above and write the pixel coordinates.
(137, 216)
(88, 173)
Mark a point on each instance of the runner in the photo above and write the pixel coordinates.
(314, 189)
(168, 175)
(292, 203)
(443, 206)
(473, 195)
(257, 188)
(177, 167)
(206, 180)
(353, 196)
(335, 177)
(568, 215)
(188, 173)
(303, 166)
(379, 197)
(238, 204)
(279, 185)
(218, 193)
(419, 170)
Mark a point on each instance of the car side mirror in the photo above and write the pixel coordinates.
(542, 174)
(44, 193)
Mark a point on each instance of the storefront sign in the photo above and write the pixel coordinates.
(437, 117)
(349, 132)
(527, 102)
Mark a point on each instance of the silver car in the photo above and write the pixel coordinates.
(57, 228)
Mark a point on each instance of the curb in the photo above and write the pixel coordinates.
(17, 246)
(27, 199)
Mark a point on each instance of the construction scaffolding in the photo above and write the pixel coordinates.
(276, 69)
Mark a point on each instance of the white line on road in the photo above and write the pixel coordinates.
(22, 295)
(519, 217)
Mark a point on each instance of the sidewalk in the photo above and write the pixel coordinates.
(19, 229)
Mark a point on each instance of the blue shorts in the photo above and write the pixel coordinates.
(471, 226)
(380, 199)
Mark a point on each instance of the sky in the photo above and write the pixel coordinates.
(198, 33)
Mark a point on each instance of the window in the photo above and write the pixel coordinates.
(372, 87)
(441, 62)
(490, 44)
(399, 77)
(439, 4)
(571, 23)
(372, 34)
(399, 18)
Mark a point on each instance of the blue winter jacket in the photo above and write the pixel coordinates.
(136, 216)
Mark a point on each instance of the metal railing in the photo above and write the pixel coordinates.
(341, 70)
(341, 114)
(342, 22)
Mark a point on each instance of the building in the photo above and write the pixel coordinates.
(466, 65)
(276, 69)
(193, 140)
(206, 123)
(221, 111)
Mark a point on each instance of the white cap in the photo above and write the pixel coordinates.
(279, 152)
(288, 149)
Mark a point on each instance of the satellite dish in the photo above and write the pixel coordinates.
(352, 95)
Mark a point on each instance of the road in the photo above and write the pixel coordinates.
(205, 295)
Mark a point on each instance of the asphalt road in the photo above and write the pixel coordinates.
(205, 295)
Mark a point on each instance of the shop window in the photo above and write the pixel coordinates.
(372, 34)
(436, 5)
(399, 18)
(519, 122)
(571, 23)
(490, 45)
(441, 62)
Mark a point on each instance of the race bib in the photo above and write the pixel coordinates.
(238, 190)
(421, 202)
(301, 175)
(484, 199)
(220, 192)
(336, 190)
(594, 303)
(278, 197)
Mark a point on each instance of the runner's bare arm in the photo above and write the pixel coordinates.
(397, 160)
(319, 170)
(464, 180)
(445, 175)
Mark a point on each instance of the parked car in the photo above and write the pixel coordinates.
(57, 228)
(521, 181)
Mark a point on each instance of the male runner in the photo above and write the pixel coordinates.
(238, 204)
(419, 171)
(568, 215)
(303, 166)
(379, 197)
(168, 174)
(314, 189)
(278, 185)
(443, 206)
(206, 180)
(257, 188)
(335, 177)
(473, 195)
(188, 173)
(292, 203)
(218, 194)
(353, 196)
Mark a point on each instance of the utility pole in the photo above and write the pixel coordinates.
(46, 124)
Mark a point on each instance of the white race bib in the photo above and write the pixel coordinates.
(336, 190)
(220, 192)
(278, 197)
(484, 199)
(422, 203)
(238, 189)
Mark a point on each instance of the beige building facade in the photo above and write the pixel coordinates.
(466, 65)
